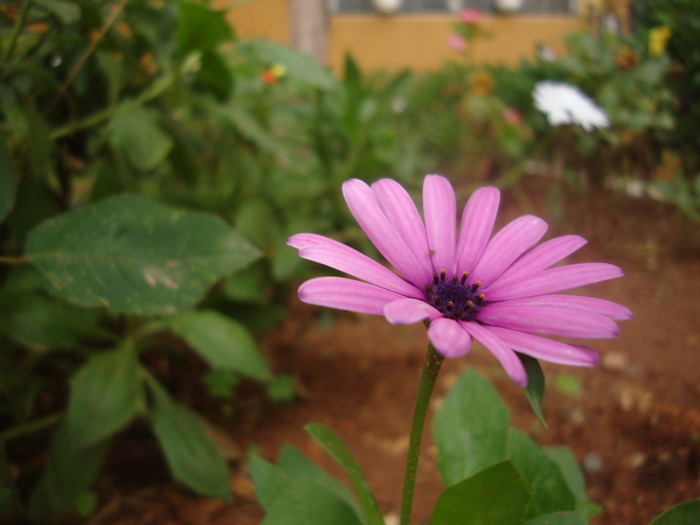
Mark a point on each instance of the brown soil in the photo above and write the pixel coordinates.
(634, 426)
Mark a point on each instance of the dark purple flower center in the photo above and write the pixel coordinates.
(454, 297)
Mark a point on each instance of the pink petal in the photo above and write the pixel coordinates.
(548, 320)
(552, 280)
(345, 259)
(399, 207)
(449, 338)
(475, 229)
(440, 210)
(508, 359)
(547, 349)
(506, 246)
(346, 294)
(369, 215)
(409, 311)
(599, 306)
(543, 256)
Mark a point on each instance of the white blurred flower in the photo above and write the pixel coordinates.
(566, 104)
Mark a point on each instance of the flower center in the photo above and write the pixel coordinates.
(453, 297)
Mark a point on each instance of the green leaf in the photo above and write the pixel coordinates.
(300, 494)
(550, 491)
(200, 27)
(559, 518)
(497, 495)
(194, 458)
(215, 75)
(535, 385)
(308, 502)
(248, 285)
(570, 469)
(686, 513)
(470, 429)
(8, 189)
(106, 394)
(298, 466)
(301, 67)
(223, 342)
(67, 12)
(250, 128)
(38, 321)
(135, 130)
(70, 471)
(332, 443)
(269, 481)
(133, 255)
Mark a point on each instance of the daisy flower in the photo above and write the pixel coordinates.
(566, 104)
(467, 285)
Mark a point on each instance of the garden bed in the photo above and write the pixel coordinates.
(632, 422)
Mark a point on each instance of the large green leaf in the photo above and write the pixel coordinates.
(571, 471)
(133, 255)
(301, 67)
(8, 188)
(193, 457)
(294, 498)
(497, 495)
(550, 490)
(306, 502)
(332, 443)
(106, 394)
(470, 428)
(223, 342)
(200, 27)
(686, 513)
(296, 465)
(135, 131)
(559, 518)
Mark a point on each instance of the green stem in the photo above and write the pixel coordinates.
(31, 426)
(155, 90)
(431, 367)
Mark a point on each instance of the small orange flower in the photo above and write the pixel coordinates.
(272, 74)
(481, 83)
(626, 58)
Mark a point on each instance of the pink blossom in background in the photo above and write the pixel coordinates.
(512, 116)
(500, 290)
(456, 42)
(470, 15)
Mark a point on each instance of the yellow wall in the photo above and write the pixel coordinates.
(414, 41)
(420, 41)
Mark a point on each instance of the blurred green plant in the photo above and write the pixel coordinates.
(134, 134)
(672, 28)
(492, 472)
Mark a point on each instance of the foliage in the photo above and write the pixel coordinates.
(681, 21)
(493, 474)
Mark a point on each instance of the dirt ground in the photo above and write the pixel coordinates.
(634, 425)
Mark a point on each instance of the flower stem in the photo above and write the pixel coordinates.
(431, 367)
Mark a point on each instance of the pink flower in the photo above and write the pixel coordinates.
(456, 42)
(500, 292)
(471, 15)
(512, 116)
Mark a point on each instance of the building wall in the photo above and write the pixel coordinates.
(416, 41)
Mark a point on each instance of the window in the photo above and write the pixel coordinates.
(452, 6)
